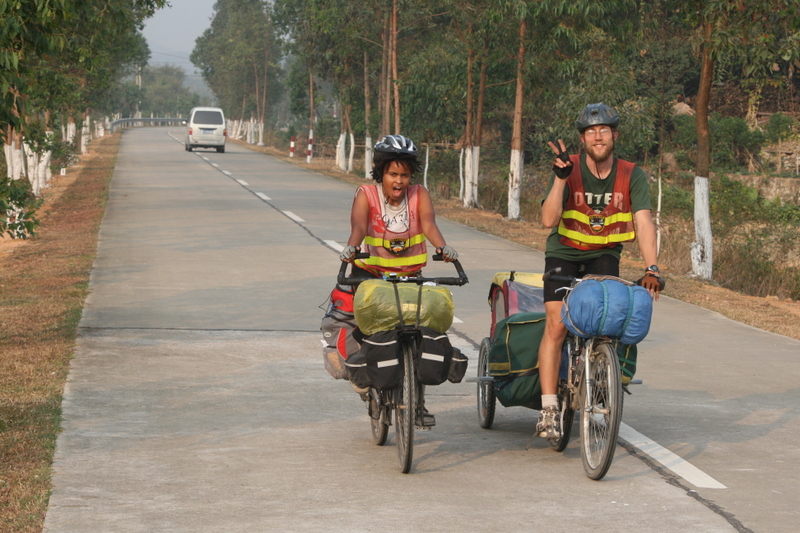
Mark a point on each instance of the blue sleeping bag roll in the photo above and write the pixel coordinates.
(608, 308)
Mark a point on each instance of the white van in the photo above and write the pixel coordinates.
(206, 129)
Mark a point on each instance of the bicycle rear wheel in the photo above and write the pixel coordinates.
(486, 397)
(602, 410)
(405, 408)
(378, 417)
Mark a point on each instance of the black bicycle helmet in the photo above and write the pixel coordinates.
(594, 114)
(396, 144)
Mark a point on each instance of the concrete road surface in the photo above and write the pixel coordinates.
(197, 399)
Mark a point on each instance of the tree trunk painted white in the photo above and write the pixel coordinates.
(48, 156)
(7, 150)
(260, 134)
(310, 151)
(702, 251)
(476, 167)
(17, 158)
(352, 152)
(658, 215)
(465, 185)
(471, 158)
(515, 183)
(86, 134)
(72, 130)
(32, 164)
(340, 152)
(427, 162)
(461, 174)
(368, 158)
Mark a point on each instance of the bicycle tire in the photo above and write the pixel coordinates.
(378, 417)
(486, 396)
(602, 412)
(567, 418)
(405, 408)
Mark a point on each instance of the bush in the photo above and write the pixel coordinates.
(19, 204)
(733, 144)
(779, 128)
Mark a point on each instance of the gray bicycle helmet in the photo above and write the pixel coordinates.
(396, 144)
(594, 114)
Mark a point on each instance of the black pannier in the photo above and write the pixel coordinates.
(435, 355)
(382, 357)
(458, 367)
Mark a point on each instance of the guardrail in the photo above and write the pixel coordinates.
(140, 122)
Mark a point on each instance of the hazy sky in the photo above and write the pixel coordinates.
(171, 32)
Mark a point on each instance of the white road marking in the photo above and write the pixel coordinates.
(293, 216)
(227, 173)
(335, 246)
(204, 157)
(215, 165)
(243, 182)
(457, 320)
(669, 460)
(263, 196)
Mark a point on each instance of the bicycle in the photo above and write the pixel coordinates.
(590, 383)
(407, 400)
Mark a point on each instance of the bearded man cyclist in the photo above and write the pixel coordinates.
(594, 203)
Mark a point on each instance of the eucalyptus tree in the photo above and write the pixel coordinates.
(238, 57)
(760, 34)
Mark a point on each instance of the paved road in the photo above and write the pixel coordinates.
(197, 398)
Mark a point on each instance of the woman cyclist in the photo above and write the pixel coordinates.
(392, 219)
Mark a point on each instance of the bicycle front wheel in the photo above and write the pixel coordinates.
(378, 418)
(601, 410)
(405, 407)
(486, 397)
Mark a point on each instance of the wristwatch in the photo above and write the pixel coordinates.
(653, 269)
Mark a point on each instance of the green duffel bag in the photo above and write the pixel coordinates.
(514, 360)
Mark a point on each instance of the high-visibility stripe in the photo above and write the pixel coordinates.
(595, 239)
(376, 241)
(432, 357)
(611, 219)
(374, 260)
(390, 362)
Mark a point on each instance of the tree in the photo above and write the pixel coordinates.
(745, 30)
(238, 57)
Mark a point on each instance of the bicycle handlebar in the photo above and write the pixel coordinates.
(555, 275)
(462, 279)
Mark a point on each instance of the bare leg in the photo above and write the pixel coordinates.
(550, 348)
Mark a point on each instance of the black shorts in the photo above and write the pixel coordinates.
(605, 265)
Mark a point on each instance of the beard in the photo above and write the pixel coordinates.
(600, 155)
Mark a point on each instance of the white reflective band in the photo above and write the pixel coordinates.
(391, 362)
(432, 357)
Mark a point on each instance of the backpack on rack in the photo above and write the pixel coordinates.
(338, 327)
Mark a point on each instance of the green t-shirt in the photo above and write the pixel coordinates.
(598, 195)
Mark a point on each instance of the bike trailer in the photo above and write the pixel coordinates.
(515, 292)
(376, 306)
(608, 307)
(514, 360)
